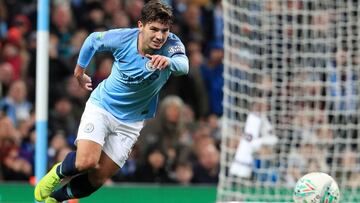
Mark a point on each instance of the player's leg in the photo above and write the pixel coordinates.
(85, 184)
(86, 157)
(91, 136)
(116, 149)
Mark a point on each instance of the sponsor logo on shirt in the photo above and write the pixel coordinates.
(176, 49)
(139, 80)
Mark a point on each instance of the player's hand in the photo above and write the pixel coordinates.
(158, 61)
(83, 79)
(85, 82)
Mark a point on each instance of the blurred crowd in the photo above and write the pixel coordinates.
(180, 145)
(302, 58)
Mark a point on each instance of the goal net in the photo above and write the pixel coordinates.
(291, 97)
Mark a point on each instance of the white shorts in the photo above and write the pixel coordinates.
(116, 138)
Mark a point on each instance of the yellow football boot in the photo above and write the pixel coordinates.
(51, 200)
(47, 185)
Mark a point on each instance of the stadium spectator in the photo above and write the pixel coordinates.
(28, 140)
(302, 159)
(62, 24)
(350, 165)
(103, 70)
(77, 39)
(6, 75)
(133, 9)
(77, 95)
(190, 24)
(207, 165)
(212, 73)
(153, 169)
(15, 103)
(343, 88)
(3, 20)
(61, 118)
(57, 142)
(120, 20)
(96, 17)
(11, 54)
(213, 23)
(16, 167)
(111, 7)
(183, 173)
(9, 135)
(165, 129)
(191, 87)
(13, 166)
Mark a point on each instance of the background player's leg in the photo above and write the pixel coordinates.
(87, 183)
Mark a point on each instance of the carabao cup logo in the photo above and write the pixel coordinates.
(304, 188)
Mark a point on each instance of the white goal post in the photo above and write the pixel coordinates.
(291, 97)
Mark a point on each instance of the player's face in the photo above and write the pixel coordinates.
(154, 34)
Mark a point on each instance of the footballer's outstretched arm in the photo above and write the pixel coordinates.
(179, 64)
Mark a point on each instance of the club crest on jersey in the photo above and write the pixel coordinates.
(89, 128)
(176, 49)
(149, 66)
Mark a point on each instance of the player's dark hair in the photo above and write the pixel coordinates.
(155, 10)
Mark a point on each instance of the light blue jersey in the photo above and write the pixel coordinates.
(131, 91)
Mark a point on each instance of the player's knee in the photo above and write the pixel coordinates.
(85, 163)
